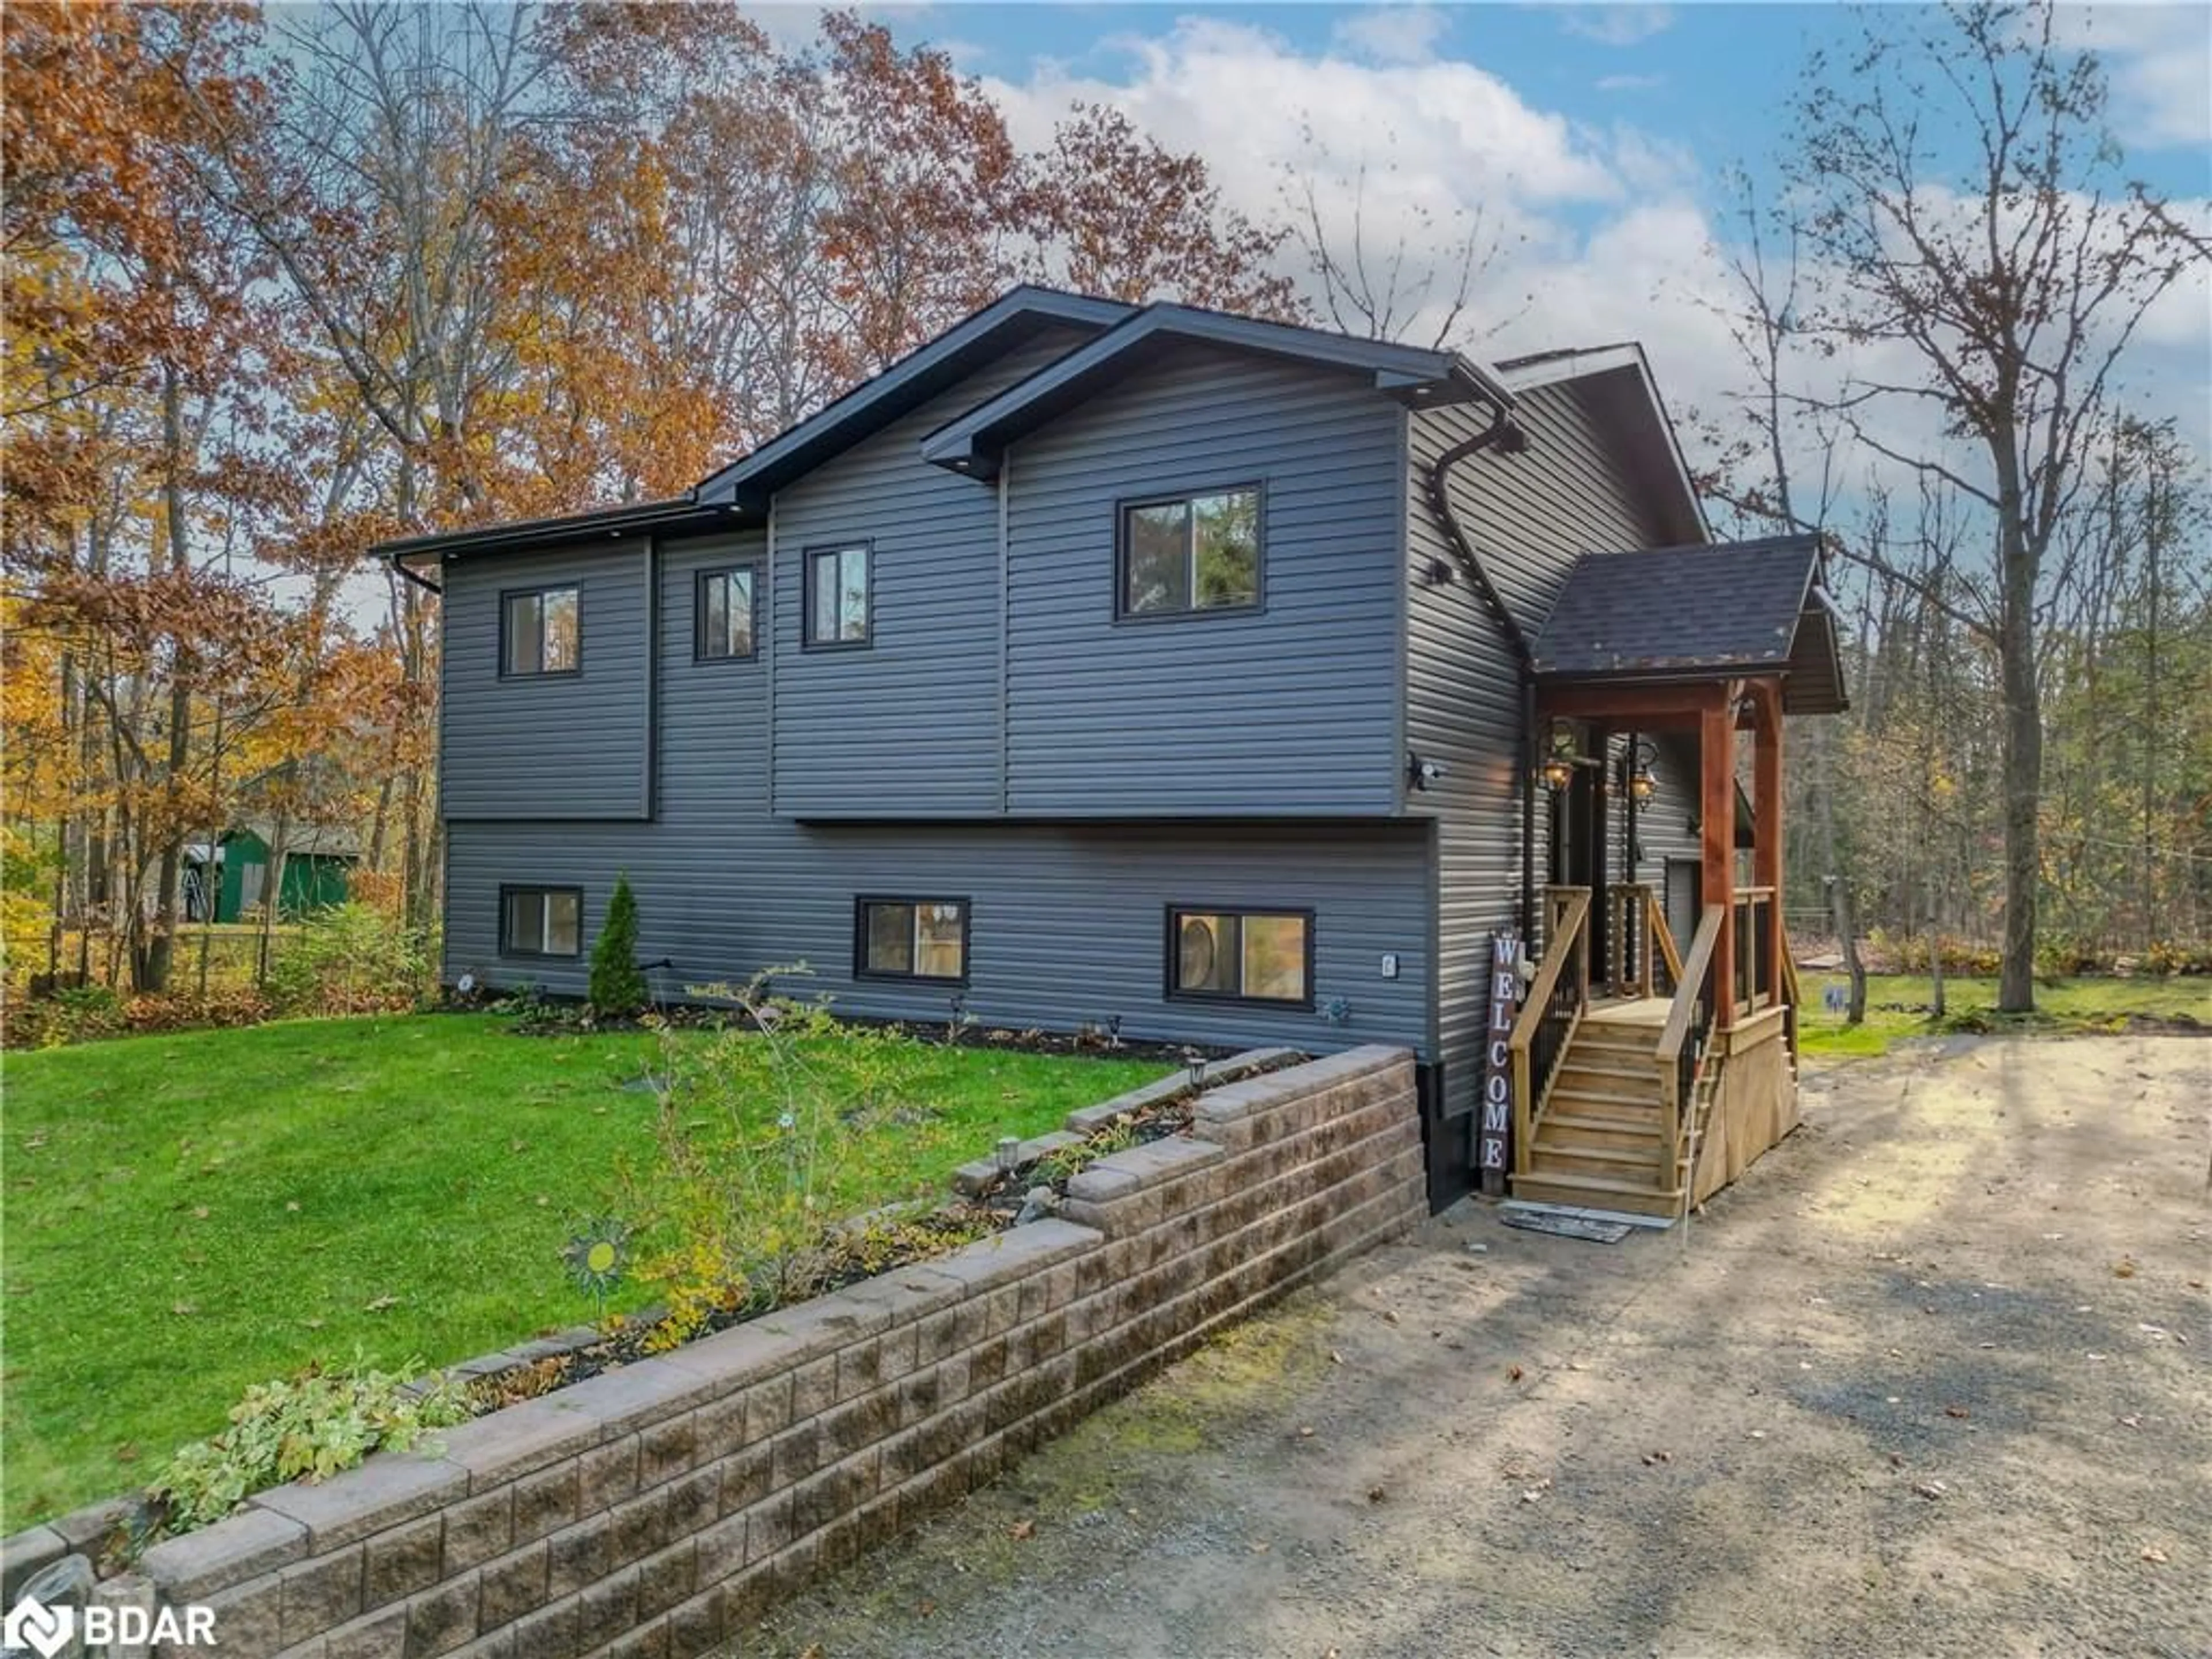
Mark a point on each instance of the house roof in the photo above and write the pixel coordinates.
(973, 444)
(737, 496)
(917, 377)
(1672, 613)
(679, 514)
(1618, 382)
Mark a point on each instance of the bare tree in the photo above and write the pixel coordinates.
(1414, 282)
(2001, 304)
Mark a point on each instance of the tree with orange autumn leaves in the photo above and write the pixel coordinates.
(282, 283)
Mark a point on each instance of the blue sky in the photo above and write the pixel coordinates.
(1585, 144)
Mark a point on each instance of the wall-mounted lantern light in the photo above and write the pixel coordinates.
(1642, 781)
(1558, 771)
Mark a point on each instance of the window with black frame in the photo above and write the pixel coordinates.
(726, 611)
(541, 632)
(1188, 555)
(911, 939)
(1241, 955)
(840, 595)
(541, 921)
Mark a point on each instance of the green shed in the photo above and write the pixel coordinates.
(318, 866)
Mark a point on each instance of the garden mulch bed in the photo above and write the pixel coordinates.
(853, 1251)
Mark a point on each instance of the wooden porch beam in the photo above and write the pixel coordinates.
(1766, 823)
(1682, 705)
(1717, 829)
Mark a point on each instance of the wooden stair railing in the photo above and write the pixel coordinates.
(1691, 1021)
(1546, 1025)
(1791, 995)
(1712, 1061)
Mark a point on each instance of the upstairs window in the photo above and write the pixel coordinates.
(839, 611)
(541, 921)
(539, 632)
(911, 939)
(727, 615)
(1241, 955)
(1191, 554)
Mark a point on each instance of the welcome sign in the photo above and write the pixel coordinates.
(1494, 1139)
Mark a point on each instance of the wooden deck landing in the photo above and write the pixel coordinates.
(1628, 1010)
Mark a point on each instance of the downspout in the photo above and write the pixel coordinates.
(400, 564)
(1509, 439)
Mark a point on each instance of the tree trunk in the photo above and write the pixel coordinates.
(2023, 769)
(154, 974)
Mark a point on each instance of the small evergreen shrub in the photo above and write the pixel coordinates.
(618, 983)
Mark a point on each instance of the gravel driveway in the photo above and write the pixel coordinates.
(1932, 1381)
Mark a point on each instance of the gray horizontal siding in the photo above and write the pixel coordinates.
(558, 747)
(1067, 922)
(1530, 516)
(907, 726)
(1291, 710)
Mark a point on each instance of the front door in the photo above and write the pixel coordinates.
(1575, 831)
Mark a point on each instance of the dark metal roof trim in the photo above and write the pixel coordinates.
(916, 377)
(973, 444)
(679, 513)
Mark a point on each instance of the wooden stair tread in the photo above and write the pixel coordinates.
(1599, 1192)
(1648, 1124)
(1602, 1066)
(1605, 1096)
(1643, 1160)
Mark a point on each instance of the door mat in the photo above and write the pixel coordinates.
(1567, 1226)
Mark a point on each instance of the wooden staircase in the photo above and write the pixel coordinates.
(1602, 1141)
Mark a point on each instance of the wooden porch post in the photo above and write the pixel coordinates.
(1717, 814)
(1766, 806)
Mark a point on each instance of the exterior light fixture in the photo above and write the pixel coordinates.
(1642, 781)
(1558, 771)
(1421, 773)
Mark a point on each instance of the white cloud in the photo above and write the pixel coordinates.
(1617, 25)
(1392, 35)
(1629, 82)
(2160, 60)
(1603, 230)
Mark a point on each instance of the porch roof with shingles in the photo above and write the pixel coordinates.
(1674, 613)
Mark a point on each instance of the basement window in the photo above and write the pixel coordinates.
(540, 632)
(541, 921)
(910, 938)
(1186, 555)
(1241, 955)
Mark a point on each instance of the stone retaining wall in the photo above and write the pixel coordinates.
(656, 1509)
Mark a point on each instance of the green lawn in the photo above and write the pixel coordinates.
(2075, 1004)
(188, 1214)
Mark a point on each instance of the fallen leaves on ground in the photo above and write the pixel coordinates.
(1931, 1490)
(1956, 1410)
(1022, 1531)
(2156, 1556)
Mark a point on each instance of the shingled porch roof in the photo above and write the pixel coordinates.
(1699, 612)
